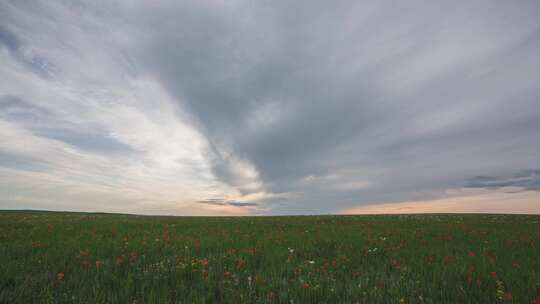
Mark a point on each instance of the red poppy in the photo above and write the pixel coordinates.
(120, 260)
(204, 262)
(396, 264)
(535, 302)
(493, 274)
(60, 276)
(241, 264)
(507, 296)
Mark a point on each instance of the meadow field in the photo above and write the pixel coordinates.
(50, 257)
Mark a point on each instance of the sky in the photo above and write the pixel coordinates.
(270, 107)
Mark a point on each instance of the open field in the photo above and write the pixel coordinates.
(100, 258)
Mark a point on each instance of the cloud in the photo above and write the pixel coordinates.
(225, 202)
(96, 132)
(524, 179)
(297, 96)
(25, 54)
(301, 107)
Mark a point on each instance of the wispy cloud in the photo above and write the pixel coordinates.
(225, 202)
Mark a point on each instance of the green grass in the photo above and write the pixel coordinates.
(309, 259)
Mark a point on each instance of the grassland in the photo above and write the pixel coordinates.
(100, 258)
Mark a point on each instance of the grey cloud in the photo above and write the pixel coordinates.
(242, 204)
(43, 122)
(415, 90)
(525, 179)
(20, 163)
(410, 98)
(14, 108)
(25, 55)
(9, 40)
(213, 201)
(224, 202)
(237, 73)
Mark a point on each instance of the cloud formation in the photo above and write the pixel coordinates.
(272, 107)
(524, 180)
(224, 202)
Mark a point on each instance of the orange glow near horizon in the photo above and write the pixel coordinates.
(527, 202)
